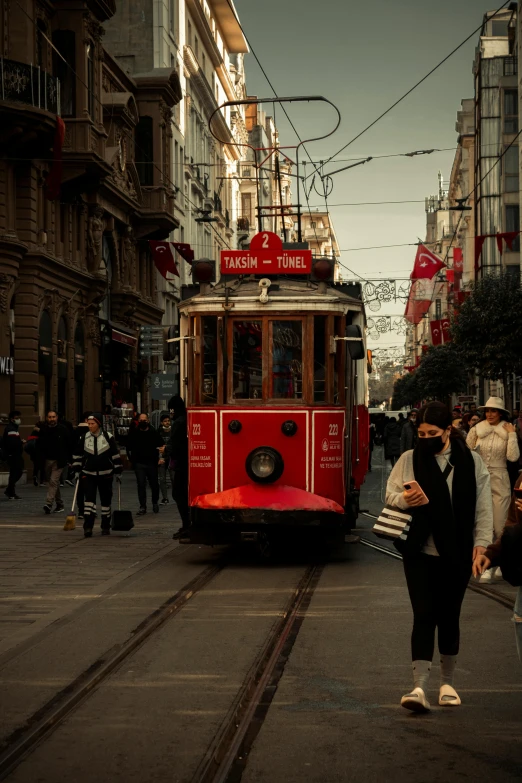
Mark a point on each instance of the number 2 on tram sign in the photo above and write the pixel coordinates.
(266, 257)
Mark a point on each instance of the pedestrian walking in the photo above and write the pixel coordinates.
(177, 454)
(409, 432)
(95, 462)
(33, 450)
(165, 430)
(473, 420)
(495, 439)
(401, 421)
(13, 447)
(55, 450)
(447, 536)
(143, 447)
(371, 444)
(392, 440)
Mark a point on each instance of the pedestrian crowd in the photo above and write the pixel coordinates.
(88, 458)
(456, 505)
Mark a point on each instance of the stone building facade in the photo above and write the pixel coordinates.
(76, 276)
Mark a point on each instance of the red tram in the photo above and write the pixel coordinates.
(274, 370)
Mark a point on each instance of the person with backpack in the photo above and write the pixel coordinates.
(96, 461)
(13, 453)
(446, 489)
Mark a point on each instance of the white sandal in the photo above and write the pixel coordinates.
(448, 696)
(416, 701)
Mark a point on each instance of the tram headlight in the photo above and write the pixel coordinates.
(264, 465)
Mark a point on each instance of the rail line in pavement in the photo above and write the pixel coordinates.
(489, 592)
(227, 755)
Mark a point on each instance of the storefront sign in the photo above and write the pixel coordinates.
(125, 339)
(163, 386)
(6, 365)
(266, 256)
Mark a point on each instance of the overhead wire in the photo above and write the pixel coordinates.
(417, 84)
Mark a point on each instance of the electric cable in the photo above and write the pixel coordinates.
(406, 94)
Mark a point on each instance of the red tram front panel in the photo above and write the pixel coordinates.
(328, 474)
(314, 457)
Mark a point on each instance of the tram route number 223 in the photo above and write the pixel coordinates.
(196, 429)
(334, 429)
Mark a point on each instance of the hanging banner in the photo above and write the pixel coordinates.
(436, 332)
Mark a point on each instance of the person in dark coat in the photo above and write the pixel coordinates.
(177, 453)
(392, 441)
(144, 447)
(13, 446)
(165, 430)
(55, 448)
(409, 432)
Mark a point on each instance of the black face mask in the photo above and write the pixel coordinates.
(143, 425)
(428, 447)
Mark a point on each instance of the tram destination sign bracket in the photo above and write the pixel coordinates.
(266, 257)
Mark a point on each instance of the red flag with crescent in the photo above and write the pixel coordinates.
(427, 264)
(436, 332)
(163, 258)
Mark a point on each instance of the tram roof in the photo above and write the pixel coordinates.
(289, 294)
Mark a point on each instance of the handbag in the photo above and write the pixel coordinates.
(392, 523)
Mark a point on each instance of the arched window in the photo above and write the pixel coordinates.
(45, 363)
(62, 365)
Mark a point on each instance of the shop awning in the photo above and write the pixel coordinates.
(120, 335)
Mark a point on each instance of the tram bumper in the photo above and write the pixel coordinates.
(241, 513)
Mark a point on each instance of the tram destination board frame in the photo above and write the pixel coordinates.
(266, 257)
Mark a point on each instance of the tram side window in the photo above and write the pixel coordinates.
(320, 358)
(287, 360)
(210, 360)
(247, 348)
(339, 348)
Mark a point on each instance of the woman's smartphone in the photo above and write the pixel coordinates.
(415, 485)
(518, 493)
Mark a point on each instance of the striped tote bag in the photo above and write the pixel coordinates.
(392, 523)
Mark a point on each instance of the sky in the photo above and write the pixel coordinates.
(363, 56)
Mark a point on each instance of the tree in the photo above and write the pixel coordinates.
(405, 391)
(487, 329)
(442, 372)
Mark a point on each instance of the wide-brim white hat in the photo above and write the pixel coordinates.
(495, 402)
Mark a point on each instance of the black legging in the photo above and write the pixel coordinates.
(436, 590)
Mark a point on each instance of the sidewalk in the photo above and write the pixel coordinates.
(45, 572)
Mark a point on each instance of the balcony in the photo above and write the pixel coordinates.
(243, 224)
(157, 213)
(30, 101)
(319, 234)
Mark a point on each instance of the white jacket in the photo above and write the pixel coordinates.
(494, 444)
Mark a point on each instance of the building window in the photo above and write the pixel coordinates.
(510, 111)
(145, 150)
(189, 33)
(64, 68)
(499, 29)
(90, 79)
(196, 47)
(172, 16)
(511, 170)
(513, 223)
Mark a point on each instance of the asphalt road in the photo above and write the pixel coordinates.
(334, 713)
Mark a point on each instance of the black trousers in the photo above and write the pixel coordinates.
(92, 485)
(436, 590)
(144, 473)
(180, 494)
(16, 468)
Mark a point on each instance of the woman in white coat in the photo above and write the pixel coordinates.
(495, 439)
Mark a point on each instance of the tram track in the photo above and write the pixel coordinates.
(226, 756)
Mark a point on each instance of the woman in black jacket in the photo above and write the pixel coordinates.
(392, 441)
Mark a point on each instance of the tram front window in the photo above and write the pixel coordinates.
(248, 360)
(210, 360)
(287, 360)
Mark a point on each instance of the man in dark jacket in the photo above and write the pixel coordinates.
(143, 447)
(165, 431)
(55, 449)
(409, 432)
(96, 460)
(177, 454)
(13, 446)
(392, 441)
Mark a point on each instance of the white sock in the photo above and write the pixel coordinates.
(448, 664)
(421, 674)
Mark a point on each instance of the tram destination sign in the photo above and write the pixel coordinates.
(266, 257)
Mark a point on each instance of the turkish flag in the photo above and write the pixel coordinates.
(458, 260)
(163, 258)
(450, 275)
(184, 250)
(445, 326)
(436, 332)
(427, 264)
